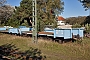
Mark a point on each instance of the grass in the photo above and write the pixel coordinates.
(52, 50)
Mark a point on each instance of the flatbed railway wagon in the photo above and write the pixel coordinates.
(64, 34)
(19, 31)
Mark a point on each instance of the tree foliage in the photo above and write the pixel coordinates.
(2, 2)
(46, 12)
(6, 12)
(79, 21)
(21, 13)
(76, 20)
(85, 3)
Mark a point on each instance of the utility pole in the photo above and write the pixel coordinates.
(34, 22)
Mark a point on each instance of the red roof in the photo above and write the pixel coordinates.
(60, 18)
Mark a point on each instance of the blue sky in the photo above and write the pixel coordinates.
(72, 8)
(14, 2)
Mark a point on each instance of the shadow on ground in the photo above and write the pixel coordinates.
(11, 52)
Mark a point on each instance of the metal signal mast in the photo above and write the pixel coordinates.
(34, 22)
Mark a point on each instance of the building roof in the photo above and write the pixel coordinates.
(60, 18)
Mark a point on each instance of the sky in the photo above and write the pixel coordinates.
(72, 8)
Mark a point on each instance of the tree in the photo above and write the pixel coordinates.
(2, 2)
(22, 13)
(5, 12)
(85, 4)
(76, 20)
(46, 11)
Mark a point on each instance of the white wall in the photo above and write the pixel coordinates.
(60, 23)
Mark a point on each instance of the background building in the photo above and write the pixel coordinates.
(60, 20)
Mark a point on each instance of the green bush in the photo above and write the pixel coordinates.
(87, 28)
(76, 26)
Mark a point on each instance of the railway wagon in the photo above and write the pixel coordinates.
(66, 33)
(13, 30)
(24, 30)
(2, 28)
(19, 31)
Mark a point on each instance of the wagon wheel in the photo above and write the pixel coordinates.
(61, 41)
(15, 34)
(79, 39)
(49, 38)
(54, 40)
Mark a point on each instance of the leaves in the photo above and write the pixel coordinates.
(85, 4)
(76, 20)
(2, 2)
(46, 12)
(6, 12)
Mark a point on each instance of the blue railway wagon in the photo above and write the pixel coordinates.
(2, 28)
(24, 30)
(13, 30)
(65, 33)
(18, 30)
